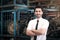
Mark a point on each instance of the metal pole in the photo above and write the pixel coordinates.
(14, 23)
(1, 25)
(27, 2)
(18, 15)
(18, 21)
(14, 2)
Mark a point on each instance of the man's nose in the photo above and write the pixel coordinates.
(38, 12)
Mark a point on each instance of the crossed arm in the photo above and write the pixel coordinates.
(35, 32)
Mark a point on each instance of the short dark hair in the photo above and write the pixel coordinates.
(38, 7)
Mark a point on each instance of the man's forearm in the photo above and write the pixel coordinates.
(37, 32)
(30, 33)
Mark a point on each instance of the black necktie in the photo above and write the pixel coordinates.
(36, 29)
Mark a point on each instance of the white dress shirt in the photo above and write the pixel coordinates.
(43, 23)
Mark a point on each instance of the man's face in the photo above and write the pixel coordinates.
(38, 12)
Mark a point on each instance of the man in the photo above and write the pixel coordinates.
(41, 28)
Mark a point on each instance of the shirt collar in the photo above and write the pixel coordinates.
(39, 18)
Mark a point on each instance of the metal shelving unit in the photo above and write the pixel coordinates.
(15, 11)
